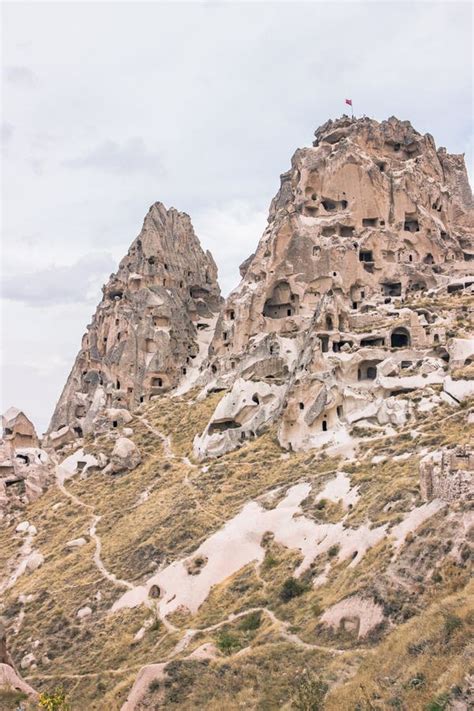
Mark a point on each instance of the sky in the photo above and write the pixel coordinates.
(108, 107)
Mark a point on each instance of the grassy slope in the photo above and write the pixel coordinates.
(420, 654)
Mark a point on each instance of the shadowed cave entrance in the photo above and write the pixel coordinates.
(282, 302)
(400, 338)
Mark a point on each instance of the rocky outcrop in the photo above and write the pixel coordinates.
(332, 313)
(144, 335)
(354, 615)
(18, 430)
(25, 468)
(448, 474)
(125, 457)
(9, 677)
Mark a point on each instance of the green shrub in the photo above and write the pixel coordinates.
(227, 642)
(153, 686)
(291, 588)
(438, 704)
(269, 561)
(251, 622)
(334, 550)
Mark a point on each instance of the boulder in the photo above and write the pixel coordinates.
(125, 456)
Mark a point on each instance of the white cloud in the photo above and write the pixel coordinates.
(56, 285)
(231, 233)
(20, 76)
(6, 132)
(132, 156)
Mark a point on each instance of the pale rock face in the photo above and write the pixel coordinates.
(76, 543)
(355, 615)
(448, 474)
(25, 470)
(27, 660)
(143, 336)
(22, 527)
(459, 390)
(460, 350)
(239, 416)
(332, 306)
(84, 612)
(35, 561)
(125, 456)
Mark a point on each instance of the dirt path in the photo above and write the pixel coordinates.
(157, 671)
(169, 454)
(92, 532)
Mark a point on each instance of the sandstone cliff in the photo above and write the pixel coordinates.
(145, 334)
(335, 313)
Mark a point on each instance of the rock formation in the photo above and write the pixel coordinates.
(9, 677)
(18, 430)
(25, 469)
(332, 320)
(146, 333)
(351, 333)
(447, 474)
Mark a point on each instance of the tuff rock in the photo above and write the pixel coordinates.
(144, 335)
(447, 474)
(25, 468)
(333, 309)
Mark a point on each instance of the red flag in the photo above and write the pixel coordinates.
(349, 101)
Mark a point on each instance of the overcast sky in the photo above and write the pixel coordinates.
(108, 107)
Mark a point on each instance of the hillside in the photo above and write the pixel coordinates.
(265, 503)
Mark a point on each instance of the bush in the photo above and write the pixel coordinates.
(334, 550)
(310, 693)
(153, 686)
(417, 681)
(291, 588)
(251, 622)
(227, 642)
(438, 704)
(56, 701)
(156, 625)
(269, 561)
(451, 624)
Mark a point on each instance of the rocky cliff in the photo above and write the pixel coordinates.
(335, 316)
(146, 333)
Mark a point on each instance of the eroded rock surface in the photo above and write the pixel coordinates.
(448, 474)
(25, 468)
(144, 335)
(333, 311)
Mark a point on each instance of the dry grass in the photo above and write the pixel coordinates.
(96, 660)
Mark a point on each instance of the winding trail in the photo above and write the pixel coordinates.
(111, 577)
(169, 454)
(206, 650)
